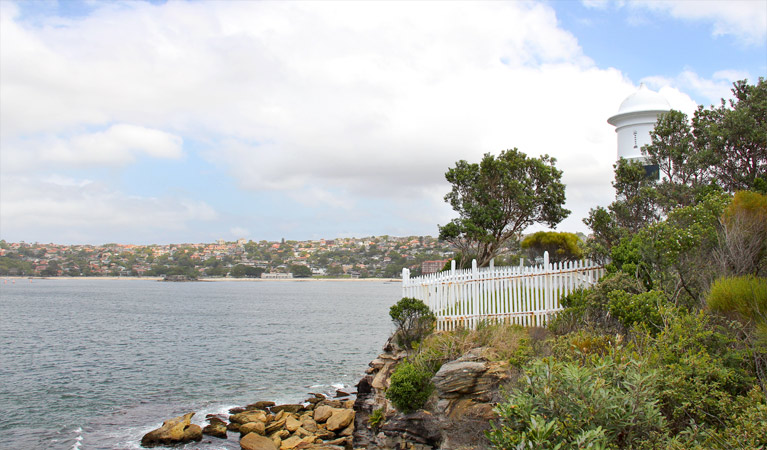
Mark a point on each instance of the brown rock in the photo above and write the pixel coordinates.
(322, 413)
(290, 443)
(216, 430)
(253, 427)
(287, 408)
(292, 424)
(214, 420)
(340, 393)
(253, 441)
(344, 441)
(277, 423)
(331, 403)
(340, 419)
(348, 431)
(248, 416)
(260, 405)
(309, 425)
(173, 431)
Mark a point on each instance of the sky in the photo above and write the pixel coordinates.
(180, 122)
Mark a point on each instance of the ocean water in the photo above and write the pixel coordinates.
(95, 364)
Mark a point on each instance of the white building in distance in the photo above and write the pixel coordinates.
(635, 119)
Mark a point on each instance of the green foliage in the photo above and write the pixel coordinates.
(744, 296)
(243, 271)
(498, 198)
(743, 239)
(512, 343)
(414, 321)
(703, 367)
(376, 419)
(300, 271)
(410, 387)
(589, 307)
(736, 134)
(675, 255)
(607, 403)
(635, 309)
(560, 245)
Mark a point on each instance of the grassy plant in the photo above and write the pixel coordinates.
(744, 296)
(376, 419)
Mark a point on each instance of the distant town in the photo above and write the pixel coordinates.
(371, 257)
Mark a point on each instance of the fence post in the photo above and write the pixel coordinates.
(405, 281)
(547, 282)
(474, 293)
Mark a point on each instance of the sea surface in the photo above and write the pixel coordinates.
(95, 364)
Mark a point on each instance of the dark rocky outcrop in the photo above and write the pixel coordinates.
(455, 416)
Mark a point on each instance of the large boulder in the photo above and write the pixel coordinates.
(248, 416)
(253, 427)
(178, 430)
(322, 413)
(217, 429)
(253, 441)
(340, 419)
(470, 376)
(420, 427)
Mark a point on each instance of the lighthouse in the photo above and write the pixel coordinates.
(635, 120)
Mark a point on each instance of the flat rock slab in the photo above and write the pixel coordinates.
(253, 441)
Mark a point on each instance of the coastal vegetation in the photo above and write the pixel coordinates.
(669, 349)
(498, 198)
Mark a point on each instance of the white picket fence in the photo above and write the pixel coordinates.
(527, 296)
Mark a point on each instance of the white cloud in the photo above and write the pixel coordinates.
(744, 19)
(70, 210)
(116, 146)
(336, 104)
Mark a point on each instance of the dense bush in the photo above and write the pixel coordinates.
(703, 367)
(414, 321)
(608, 403)
(634, 309)
(410, 387)
(589, 307)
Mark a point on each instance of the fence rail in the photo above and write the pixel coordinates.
(527, 296)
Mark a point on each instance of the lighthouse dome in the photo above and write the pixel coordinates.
(644, 100)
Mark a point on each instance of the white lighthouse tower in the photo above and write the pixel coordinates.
(635, 120)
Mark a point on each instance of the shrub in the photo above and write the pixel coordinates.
(604, 404)
(703, 369)
(744, 296)
(743, 239)
(634, 309)
(376, 419)
(414, 321)
(588, 308)
(410, 387)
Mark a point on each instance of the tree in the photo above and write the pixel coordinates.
(736, 136)
(300, 271)
(500, 197)
(414, 321)
(561, 246)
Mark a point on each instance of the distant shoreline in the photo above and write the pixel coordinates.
(226, 280)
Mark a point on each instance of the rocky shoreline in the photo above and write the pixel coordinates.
(456, 416)
(317, 423)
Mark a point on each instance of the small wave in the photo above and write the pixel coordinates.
(78, 438)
